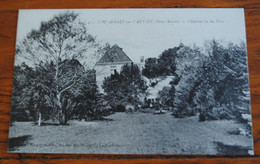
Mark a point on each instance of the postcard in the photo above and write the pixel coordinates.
(131, 81)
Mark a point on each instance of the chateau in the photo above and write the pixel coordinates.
(112, 60)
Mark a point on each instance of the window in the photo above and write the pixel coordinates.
(112, 69)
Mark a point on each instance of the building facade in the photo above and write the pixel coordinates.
(112, 60)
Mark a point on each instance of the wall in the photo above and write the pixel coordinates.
(103, 71)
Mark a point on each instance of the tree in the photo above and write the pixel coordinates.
(230, 77)
(167, 61)
(22, 79)
(188, 63)
(222, 91)
(167, 96)
(72, 89)
(32, 90)
(125, 87)
(164, 65)
(61, 39)
(151, 69)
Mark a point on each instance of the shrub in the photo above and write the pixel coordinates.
(202, 117)
(120, 108)
(185, 112)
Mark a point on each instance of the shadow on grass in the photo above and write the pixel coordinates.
(105, 119)
(16, 142)
(158, 112)
(49, 124)
(231, 149)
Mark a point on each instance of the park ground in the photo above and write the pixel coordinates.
(132, 133)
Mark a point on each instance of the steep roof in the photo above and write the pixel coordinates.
(114, 55)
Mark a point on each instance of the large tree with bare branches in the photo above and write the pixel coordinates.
(58, 41)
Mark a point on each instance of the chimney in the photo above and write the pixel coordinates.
(141, 59)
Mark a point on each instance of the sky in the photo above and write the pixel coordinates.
(148, 32)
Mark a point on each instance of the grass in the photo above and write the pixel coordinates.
(136, 133)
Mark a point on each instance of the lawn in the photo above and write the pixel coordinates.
(131, 133)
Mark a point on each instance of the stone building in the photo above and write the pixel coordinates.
(112, 60)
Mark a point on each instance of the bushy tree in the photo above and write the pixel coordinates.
(151, 69)
(167, 96)
(124, 87)
(226, 77)
(167, 61)
(163, 66)
(22, 80)
(32, 93)
(188, 65)
(90, 105)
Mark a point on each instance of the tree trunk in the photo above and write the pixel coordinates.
(59, 108)
(39, 119)
(58, 101)
(58, 95)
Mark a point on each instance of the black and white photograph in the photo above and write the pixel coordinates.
(131, 81)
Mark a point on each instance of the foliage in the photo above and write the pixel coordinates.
(226, 77)
(34, 94)
(187, 71)
(212, 81)
(53, 84)
(151, 69)
(59, 41)
(124, 87)
(164, 65)
(90, 105)
(215, 85)
(167, 61)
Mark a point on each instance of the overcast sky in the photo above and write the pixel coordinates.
(147, 32)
